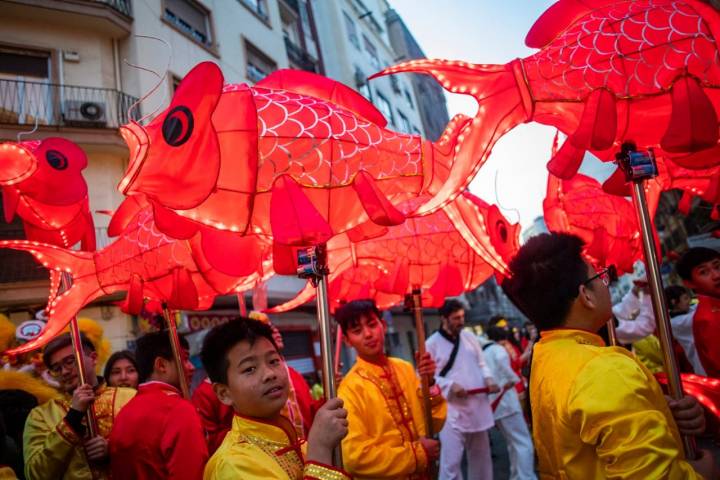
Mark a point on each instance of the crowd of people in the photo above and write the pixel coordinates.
(567, 405)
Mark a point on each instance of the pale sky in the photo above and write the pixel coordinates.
(489, 31)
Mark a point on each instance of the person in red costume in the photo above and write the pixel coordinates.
(217, 417)
(158, 435)
(700, 270)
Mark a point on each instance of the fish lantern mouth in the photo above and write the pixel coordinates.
(16, 164)
(138, 142)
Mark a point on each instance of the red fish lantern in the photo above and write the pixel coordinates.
(142, 261)
(606, 223)
(42, 182)
(607, 71)
(298, 157)
(446, 253)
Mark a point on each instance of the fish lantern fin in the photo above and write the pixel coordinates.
(294, 219)
(184, 294)
(397, 280)
(375, 203)
(88, 242)
(566, 162)
(230, 252)
(707, 158)
(558, 18)
(11, 198)
(172, 224)
(175, 159)
(284, 259)
(617, 184)
(304, 296)
(598, 124)
(324, 88)
(685, 203)
(125, 213)
(366, 231)
(693, 121)
(134, 300)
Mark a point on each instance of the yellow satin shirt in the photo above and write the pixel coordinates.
(385, 417)
(649, 352)
(599, 413)
(53, 450)
(258, 450)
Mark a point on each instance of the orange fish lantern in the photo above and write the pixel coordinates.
(42, 183)
(142, 261)
(607, 71)
(606, 223)
(298, 157)
(446, 253)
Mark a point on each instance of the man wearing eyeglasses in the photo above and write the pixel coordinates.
(56, 443)
(597, 412)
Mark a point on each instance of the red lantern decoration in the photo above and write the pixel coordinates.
(445, 253)
(607, 72)
(42, 182)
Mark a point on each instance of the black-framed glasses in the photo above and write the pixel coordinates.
(57, 368)
(606, 275)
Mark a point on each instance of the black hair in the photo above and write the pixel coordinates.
(450, 306)
(348, 315)
(222, 338)
(497, 334)
(121, 355)
(692, 258)
(545, 278)
(62, 341)
(151, 346)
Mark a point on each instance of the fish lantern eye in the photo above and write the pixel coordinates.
(56, 160)
(178, 126)
(502, 230)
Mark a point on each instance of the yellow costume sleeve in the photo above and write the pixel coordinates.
(246, 463)
(48, 449)
(618, 407)
(365, 454)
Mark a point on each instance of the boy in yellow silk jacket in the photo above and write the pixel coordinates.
(597, 412)
(248, 373)
(55, 444)
(386, 436)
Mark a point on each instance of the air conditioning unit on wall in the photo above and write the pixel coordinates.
(84, 113)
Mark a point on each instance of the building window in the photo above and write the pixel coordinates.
(404, 123)
(372, 52)
(258, 7)
(258, 64)
(409, 99)
(190, 18)
(32, 65)
(351, 30)
(384, 106)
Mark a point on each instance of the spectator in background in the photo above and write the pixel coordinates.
(121, 370)
(507, 410)
(55, 442)
(700, 270)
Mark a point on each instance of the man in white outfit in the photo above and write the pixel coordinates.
(465, 380)
(507, 412)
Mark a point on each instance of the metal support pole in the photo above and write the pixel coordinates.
(78, 350)
(328, 372)
(658, 302)
(176, 349)
(338, 347)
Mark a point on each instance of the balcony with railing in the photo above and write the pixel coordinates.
(299, 58)
(47, 104)
(109, 17)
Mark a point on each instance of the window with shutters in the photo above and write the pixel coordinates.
(190, 18)
(258, 64)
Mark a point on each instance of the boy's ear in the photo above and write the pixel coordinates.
(223, 393)
(585, 297)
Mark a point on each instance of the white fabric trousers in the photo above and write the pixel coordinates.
(477, 445)
(520, 446)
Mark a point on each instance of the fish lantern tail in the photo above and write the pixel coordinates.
(304, 296)
(62, 306)
(504, 102)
